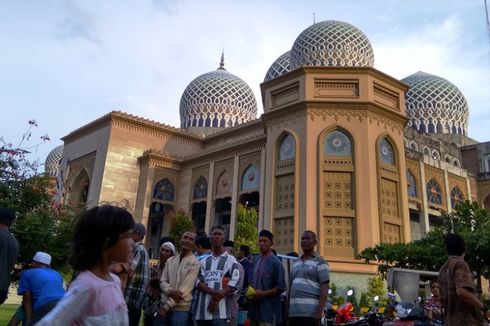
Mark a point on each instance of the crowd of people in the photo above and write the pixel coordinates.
(197, 281)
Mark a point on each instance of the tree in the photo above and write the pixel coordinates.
(468, 219)
(40, 225)
(180, 224)
(246, 228)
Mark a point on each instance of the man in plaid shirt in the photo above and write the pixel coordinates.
(138, 276)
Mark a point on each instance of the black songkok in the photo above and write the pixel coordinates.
(266, 233)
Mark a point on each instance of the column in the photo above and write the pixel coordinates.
(424, 208)
(262, 190)
(448, 191)
(234, 196)
(209, 200)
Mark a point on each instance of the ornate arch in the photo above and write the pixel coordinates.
(223, 184)
(412, 184)
(456, 196)
(200, 190)
(337, 184)
(164, 190)
(250, 178)
(434, 192)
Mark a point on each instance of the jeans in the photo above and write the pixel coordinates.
(214, 322)
(174, 318)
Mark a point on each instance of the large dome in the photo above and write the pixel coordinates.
(52, 163)
(334, 44)
(217, 99)
(435, 105)
(279, 67)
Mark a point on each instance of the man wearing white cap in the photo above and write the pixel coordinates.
(41, 288)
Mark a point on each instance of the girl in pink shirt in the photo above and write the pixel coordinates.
(101, 236)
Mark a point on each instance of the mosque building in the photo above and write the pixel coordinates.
(342, 149)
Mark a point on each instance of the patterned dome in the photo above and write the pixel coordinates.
(333, 44)
(217, 99)
(52, 163)
(435, 105)
(279, 67)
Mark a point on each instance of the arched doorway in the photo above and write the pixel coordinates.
(158, 224)
(222, 214)
(199, 206)
(199, 215)
(486, 203)
(79, 189)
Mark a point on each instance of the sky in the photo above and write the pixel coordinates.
(66, 63)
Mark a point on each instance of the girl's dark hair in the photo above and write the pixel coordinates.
(95, 228)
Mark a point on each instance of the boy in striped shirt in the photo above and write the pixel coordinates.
(217, 282)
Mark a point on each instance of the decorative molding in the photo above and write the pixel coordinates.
(336, 88)
(386, 97)
(135, 123)
(280, 121)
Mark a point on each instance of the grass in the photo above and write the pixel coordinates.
(6, 312)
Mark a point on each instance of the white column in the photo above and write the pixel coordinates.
(262, 190)
(234, 197)
(448, 191)
(209, 200)
(425, 215)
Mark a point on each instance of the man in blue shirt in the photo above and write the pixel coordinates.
(41, 288)
(267, 279)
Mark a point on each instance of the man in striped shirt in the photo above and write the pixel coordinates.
(217, 281)
(309, 284)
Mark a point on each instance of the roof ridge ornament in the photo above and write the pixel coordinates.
(222, 61)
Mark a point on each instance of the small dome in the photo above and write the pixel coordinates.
(217, 99)
(435, 105)
(332, 44)
(52, 163)
(279, 67)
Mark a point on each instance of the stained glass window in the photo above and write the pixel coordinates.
(434, 194)
(164, 190)
(251, 178)
(386, 152)
(288, 148)
(200, 188)
(456, 196)
(412, 184)
(337, 143)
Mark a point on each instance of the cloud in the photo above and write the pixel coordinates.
(79, 24)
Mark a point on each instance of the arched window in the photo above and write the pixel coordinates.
(447, 159)
(413, 146)
(251, 178)
(456, 196)
(434, 194)
(436, 155)
(287, 150)
(200, 188)
(164, 190)
(426, 151)
(337, 144)
(412, 184)
(386, 152)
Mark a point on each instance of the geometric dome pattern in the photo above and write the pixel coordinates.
(435, 105)
(332, 44)
(279, 67)
(52, 163)
(217, 99)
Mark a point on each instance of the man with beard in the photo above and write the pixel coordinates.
(177, 282)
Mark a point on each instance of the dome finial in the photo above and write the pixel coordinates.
(313, 18)
(222, 61)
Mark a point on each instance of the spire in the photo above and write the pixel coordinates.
(222, 61)
(314, 19)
